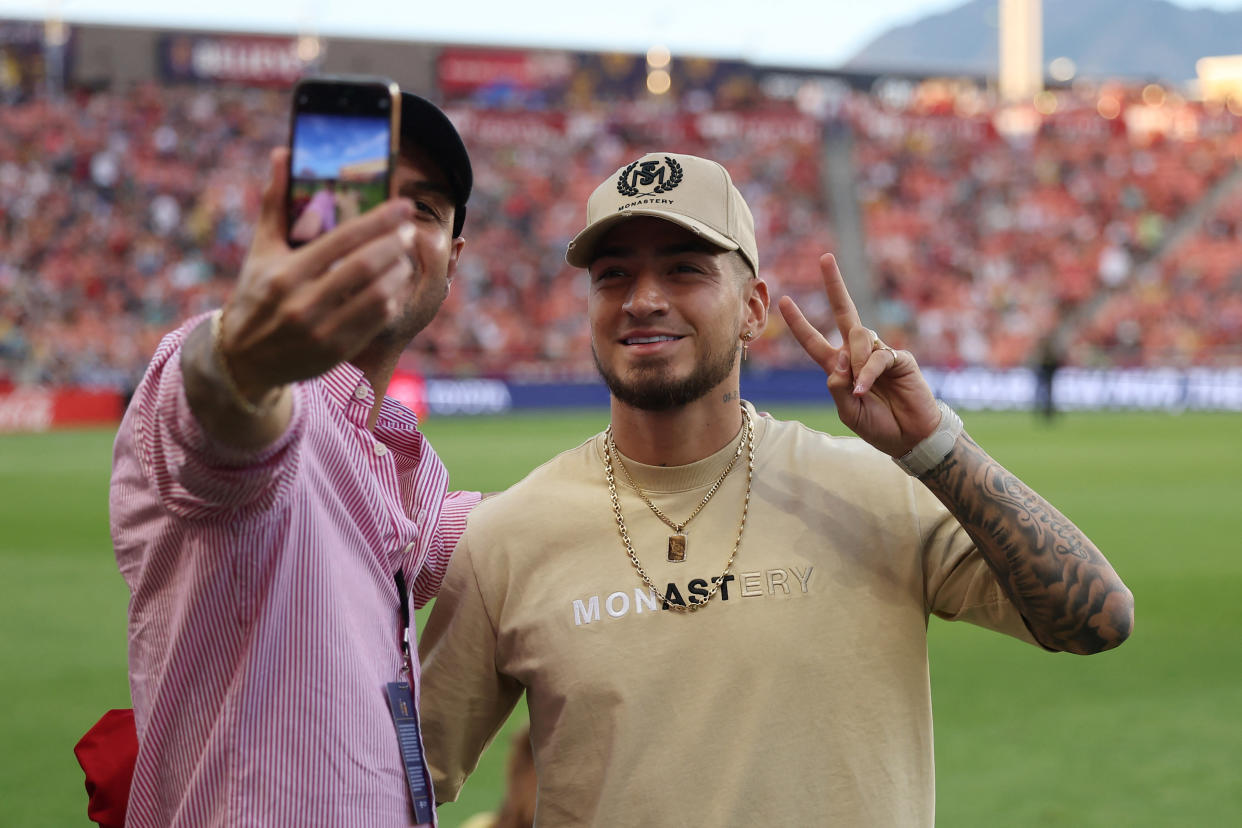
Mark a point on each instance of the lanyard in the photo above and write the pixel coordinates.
(405, 717)
(405, 621)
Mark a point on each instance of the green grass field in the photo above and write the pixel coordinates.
(1149, 735)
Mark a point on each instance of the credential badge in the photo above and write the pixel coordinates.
(665, 176)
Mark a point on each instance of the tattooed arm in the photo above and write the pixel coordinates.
(1070, 596)
(1068, 593)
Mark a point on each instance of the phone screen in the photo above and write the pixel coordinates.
(339, 168)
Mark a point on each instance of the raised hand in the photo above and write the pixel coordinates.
(880, 393)
(298, 313)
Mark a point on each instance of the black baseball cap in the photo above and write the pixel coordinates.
(423, 124)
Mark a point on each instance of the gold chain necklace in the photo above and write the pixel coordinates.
(694, 602)
(678, 541)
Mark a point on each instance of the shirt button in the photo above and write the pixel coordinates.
(380, 449)
(360, 393)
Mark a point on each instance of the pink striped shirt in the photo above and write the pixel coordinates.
(264, 619)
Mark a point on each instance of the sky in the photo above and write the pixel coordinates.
(813, 33)
(323, 144)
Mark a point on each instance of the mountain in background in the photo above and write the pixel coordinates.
(1141, 39)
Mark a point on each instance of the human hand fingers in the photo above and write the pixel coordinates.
(270, 229)
(834, 361)
(300, 343)
(878, 361)
(290, 328)
(811, 340)
(315, 258)
(841, 382)
(371, 309)
(275, 286)
(862, 343)
(363, 267)
(843, 309)
(376, 272)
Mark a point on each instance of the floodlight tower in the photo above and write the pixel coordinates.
(1021, 73)
(55, 36)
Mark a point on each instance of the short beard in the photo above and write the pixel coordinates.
(652, 392)
(411, 322)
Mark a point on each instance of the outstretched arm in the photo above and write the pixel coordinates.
(1069, 594)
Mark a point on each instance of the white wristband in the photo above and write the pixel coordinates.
(934, 448)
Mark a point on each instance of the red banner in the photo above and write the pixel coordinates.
(26, 409)
(463, 71)
(410, 390)
(41, 409)
(500, 127)
(488, 126)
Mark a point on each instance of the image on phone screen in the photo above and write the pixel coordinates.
(340, 170)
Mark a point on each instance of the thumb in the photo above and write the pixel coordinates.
(841, 377)
(273, 221)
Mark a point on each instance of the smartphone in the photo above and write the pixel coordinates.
(343, 146)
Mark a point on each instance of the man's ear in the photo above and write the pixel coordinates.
(757, 301)
(454, 256)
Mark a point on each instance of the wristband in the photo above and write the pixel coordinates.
(934, 448)
(236, 397)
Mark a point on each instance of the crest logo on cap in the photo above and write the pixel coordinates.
(665, 176)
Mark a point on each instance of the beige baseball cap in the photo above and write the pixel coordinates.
(692, 192)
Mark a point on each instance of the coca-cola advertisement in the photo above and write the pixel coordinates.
(40, 409)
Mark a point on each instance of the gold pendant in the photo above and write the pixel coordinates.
(677, 547)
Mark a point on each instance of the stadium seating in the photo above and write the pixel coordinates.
(124, 212)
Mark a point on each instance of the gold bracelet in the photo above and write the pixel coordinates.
(236, 397)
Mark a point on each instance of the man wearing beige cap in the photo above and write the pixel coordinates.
(719, 618)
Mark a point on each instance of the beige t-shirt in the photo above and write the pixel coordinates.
(799, 696)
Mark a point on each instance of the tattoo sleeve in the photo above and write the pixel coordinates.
(1068, 593)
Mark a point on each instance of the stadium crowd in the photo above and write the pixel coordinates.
(984, 235)
(121, 215)
(1187, 309)
(124, 212)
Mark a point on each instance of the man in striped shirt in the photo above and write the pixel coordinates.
(265, 497)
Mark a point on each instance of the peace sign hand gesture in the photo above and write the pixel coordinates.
(880, 393)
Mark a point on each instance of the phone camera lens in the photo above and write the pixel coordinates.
(383, 104)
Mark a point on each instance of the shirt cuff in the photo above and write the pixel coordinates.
(452, 524)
